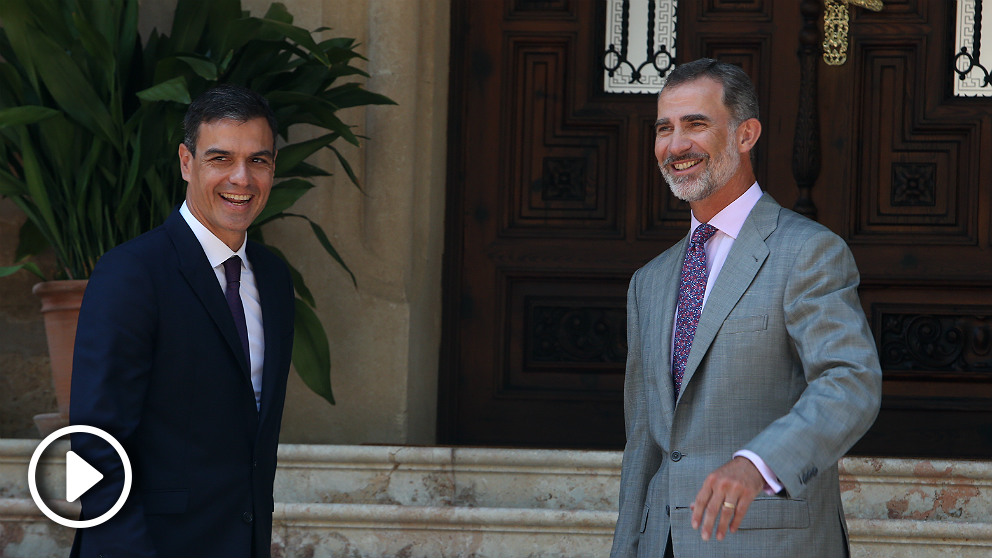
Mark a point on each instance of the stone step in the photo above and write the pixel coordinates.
(385, 501)
(444, 476)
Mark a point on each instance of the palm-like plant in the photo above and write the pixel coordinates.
(90, 123)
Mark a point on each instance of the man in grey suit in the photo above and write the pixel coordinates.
(751, 369)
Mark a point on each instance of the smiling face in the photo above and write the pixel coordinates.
(699, 150)
(230, 176)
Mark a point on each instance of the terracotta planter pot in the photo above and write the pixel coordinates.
(60, 302)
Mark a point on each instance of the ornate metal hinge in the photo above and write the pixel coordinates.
(835, 20)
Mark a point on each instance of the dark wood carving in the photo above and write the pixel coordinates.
(561, 332)
(565, 179)
(806, 145)
(937, 343)
(914, 184)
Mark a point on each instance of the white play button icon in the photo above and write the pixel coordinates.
(80, 476)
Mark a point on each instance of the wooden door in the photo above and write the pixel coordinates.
(554, 199)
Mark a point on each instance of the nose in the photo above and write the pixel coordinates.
(679, 143)
(239, 174)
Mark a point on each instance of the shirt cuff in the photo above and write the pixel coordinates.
(772, 486)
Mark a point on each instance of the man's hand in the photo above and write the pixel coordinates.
(726, 493)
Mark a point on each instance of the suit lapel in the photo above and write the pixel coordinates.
(746, 257)
(272, 318)
(671, 275)
(195, 268)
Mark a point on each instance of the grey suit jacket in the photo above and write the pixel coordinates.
(782, 364)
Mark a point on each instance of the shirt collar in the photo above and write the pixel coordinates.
(731, 218)
(217, 252)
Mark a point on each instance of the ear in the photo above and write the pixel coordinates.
(747, 135)
(185, 161)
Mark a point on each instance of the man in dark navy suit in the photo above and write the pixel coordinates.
(182, 353)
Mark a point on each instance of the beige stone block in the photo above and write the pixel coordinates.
(913, 489)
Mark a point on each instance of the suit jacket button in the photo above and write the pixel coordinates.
(668, 511)
(247, 517)
(676, 455)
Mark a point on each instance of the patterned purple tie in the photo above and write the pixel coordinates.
(232, 271)
(691, 289)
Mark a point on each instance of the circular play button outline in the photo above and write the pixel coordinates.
(33, 469)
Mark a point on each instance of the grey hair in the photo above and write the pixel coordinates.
(739, 95)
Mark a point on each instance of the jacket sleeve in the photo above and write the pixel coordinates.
(641, 457)
(115, 344)
(828, 329)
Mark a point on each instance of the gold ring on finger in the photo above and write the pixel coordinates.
(729, 506)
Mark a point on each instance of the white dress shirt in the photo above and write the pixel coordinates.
(217, 253)
(728, 223)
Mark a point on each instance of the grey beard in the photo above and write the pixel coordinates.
(717, 174)
(687, 188)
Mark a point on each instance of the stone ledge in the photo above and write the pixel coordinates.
(936, 533)
(419, 502)
(911, 489)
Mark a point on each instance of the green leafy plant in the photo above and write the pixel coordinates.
(91, 120)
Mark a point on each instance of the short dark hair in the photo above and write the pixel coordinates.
(226, 101)
(739, 95)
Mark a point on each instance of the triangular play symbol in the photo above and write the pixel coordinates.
(80, 476)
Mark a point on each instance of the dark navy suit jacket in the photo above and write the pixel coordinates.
(159, 365)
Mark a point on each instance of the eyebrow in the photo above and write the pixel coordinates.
(217, 151)
(684, 118)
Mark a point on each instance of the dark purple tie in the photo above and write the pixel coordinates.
(232, 271)
(691, 289)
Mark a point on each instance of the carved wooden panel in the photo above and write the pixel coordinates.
(568, 335)
(561, 176)
(540, 9)
(736, 10)
(909, 164)
(917, 340)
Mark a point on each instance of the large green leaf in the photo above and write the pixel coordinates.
(282, 197)
(171, 90)
(70, 88)
(322, 238)
(294, 154)
(299, 285)
(28, 266)
(346, 166)
(18, 26)
(188, 23)
(311, 353)
(30, 242)
(204, 67)
(29, 114)
(10, 185)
